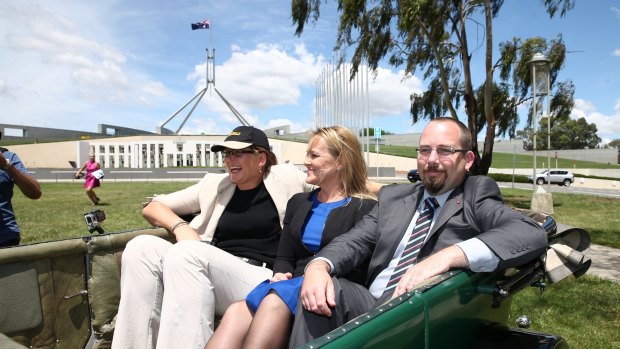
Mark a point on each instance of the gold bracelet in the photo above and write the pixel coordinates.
(176, 225)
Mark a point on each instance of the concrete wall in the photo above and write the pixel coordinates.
(32, 133)
(53, 155)
(118, 131)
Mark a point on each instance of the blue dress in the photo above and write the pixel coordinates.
(288, 290)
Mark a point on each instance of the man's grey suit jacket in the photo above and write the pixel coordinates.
(474, 209)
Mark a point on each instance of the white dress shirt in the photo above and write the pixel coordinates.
(479, 255)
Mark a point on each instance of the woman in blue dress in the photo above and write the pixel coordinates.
(336, 165)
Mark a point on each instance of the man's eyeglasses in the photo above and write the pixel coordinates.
(442, 151)
(235, 153)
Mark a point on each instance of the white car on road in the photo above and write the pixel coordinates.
(560, 177)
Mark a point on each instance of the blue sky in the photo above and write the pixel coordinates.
(73, 64)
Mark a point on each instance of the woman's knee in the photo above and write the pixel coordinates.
(144, 246)
(236, 310)
(272, 302)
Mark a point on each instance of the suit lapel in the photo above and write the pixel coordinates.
(405, 212)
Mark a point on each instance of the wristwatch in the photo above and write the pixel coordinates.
(8, 165)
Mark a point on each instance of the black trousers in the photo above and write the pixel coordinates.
(10, 243)
(352, 300)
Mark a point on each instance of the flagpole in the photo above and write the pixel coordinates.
(211, 32)
(212, 52)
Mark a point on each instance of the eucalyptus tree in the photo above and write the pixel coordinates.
(432, 36)
(568, 134)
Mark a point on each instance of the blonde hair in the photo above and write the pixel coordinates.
(344, 146)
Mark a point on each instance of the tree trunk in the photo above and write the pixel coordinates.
(489, 139)
(468, 93)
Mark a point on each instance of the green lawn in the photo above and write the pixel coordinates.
(60, 212)
(597, 215)
(584, 311)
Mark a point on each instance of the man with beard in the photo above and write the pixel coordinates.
(416, 231)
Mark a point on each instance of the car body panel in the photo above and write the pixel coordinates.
(457, 303)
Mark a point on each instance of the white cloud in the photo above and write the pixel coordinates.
(616, 11)
(4, 88)
(389, 93)
(616, 52)
(202, 125)
(608, 126)
(155, 88)
(258, 79)
(52, 54)
(268, 76)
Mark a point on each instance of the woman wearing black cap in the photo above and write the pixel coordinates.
(335, 164)
(170, 293)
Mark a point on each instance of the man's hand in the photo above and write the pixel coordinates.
(442, 261)
(281, 277)
(317, 290)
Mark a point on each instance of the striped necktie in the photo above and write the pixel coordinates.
(415, 243)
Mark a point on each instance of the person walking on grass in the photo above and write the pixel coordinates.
(91, 181)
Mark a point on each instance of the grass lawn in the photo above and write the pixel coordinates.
(59, 214)
(597, 215)
(584, 311)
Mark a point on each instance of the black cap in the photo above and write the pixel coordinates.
(243, 137)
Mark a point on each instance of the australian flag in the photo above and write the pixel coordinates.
(201, 25)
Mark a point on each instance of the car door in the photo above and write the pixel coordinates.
(42, 295)
(554, 176)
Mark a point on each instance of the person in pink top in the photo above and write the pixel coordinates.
(91, 181)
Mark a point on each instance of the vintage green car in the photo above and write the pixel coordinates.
(65, 294)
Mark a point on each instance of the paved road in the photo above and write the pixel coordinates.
(605, 261)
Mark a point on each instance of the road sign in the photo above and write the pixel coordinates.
(377, 132)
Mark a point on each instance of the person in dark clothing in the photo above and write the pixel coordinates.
(450, 220)
(12, 172)
(335, 163)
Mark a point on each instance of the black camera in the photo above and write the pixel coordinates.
(93, 221)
